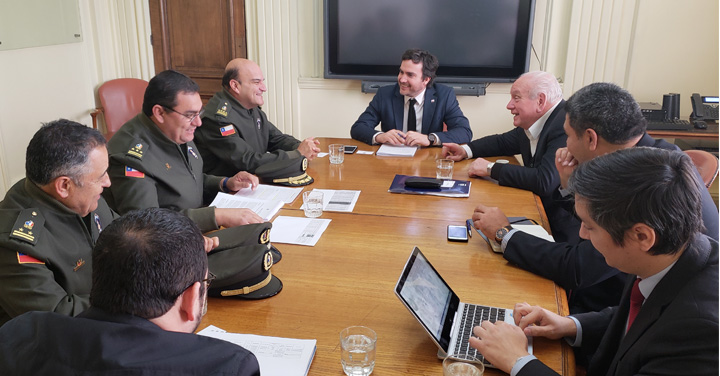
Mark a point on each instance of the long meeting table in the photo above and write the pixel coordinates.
(348, 277)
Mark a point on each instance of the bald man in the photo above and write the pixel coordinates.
(236, 134)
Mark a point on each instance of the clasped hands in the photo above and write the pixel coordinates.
(396, 137)
(502, 343)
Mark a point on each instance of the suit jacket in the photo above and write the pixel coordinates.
(675, 331)
(99, 343)
(579, 266)
(440, 106)
(538, 174)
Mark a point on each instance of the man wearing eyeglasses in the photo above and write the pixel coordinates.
(155, 163)
(236, 134)
(145, 307)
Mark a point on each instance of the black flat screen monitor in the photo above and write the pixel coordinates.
(475, 41)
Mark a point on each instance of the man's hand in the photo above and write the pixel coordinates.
(232, 217)
(309, 148)
(539, 322)
(478, 167)
(489, 219)
(500, 343)
(242, 179)
(211, 243)
(565, 164)
(413, 138)
(453, 151)
(392, 137)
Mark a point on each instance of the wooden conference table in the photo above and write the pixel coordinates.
(348, 278)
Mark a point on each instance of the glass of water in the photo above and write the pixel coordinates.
(313, 203)
(358, 350)
(444, 169)
(337, 153)
(459, 365)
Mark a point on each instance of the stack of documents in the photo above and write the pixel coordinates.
(277, 356)
(265, 200)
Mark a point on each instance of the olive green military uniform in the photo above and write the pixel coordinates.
(233, 138)
(147, 169)
(45, 252)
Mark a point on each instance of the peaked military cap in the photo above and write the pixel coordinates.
(243, 272)
(289, 172)
(251, 234)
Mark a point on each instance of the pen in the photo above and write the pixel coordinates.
(469, 226)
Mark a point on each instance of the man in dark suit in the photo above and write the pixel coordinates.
(641, 208)
(601, 118)
(413, 111)
(538, 116)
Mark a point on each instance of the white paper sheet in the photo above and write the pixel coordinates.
(386, 150)
(298, 230)
(338, 200)
(277, 356)
(266, 209)
(271, 193)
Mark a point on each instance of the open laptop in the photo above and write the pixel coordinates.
(435, 305)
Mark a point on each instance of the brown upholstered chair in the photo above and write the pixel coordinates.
(706, 163)
(120, 99)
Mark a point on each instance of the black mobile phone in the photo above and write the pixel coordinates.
(457, 233)
(349, 149)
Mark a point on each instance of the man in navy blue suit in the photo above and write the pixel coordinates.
(413, 111)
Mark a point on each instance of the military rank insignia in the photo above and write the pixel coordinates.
(222, 111)
(133, 173)
(78, 264)
(192, 152)
(258, 122)
(136, 151)
(265, 236)
(97, 222)
(27, 226)
(227, 130)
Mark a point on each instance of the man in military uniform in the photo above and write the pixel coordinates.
(155, 163)
(50, 220)
(236, 134)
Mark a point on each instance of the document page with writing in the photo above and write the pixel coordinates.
(298, 230)
(266, 209)
(386, 150)
(277, 356)
(270, 192)
(338, 200)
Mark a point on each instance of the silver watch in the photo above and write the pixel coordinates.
(489, 167)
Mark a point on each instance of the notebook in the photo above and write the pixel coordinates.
(435, 305)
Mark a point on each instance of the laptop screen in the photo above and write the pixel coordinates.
(428, 297)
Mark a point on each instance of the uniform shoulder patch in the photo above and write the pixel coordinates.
(133, 173)
(26, 259)
(28, 226)
(227, 130)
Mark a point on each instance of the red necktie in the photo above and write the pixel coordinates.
(636, 301)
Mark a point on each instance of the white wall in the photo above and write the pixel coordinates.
(673, 48)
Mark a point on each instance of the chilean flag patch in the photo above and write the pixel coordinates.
(25, 259)
(227, 130)
(129, 171)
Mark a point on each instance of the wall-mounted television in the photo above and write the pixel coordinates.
(476, 41)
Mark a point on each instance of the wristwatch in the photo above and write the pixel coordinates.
(489, 167)
(432, 139)
(500, 234)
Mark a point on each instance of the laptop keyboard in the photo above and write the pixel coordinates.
(472, 316)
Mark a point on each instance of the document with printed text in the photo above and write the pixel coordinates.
(264, 208)
(298, 230)
(339, 201)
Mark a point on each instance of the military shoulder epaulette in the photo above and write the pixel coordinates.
(137, 149)
(222, 110)
(28, 226)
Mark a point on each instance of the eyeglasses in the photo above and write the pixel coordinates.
(211, 277)
(191, 118)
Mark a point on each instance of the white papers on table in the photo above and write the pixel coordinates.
(271, 193)
(264, 208)
(277, 356)
(298, 230)
(366, 152)
(320, 155)
(387, 150)
(339, 201)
